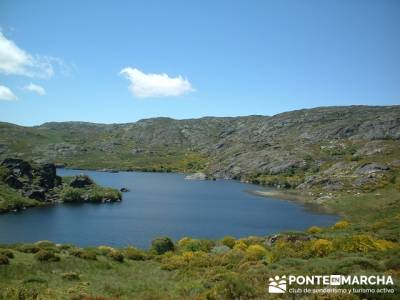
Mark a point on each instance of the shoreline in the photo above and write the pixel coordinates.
(297, 197)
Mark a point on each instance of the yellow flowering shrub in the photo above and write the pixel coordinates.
(228, 241)
(173, 262)
(256, 252)
(341, 225)
(320, 247)
(240, 245)
(314, 229)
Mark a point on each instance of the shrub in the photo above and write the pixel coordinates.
(4, 260)
(100, 194)
(70, 276)
(116, 255)
(341, 225)
(314, 229)
(197, 259)
(230, 286)
(350, 265)
(234, 256)
(104, 250)
(183, 242)
(173, 262)
(240, 245)
(393, 263)
(361, 243)
(228, 241)
(28, 248)
(383, 245)
(44, 255)
(64, 246)
(45, 244)
(320, 247)
(256, 252)
(134, 254)
(162, 245)
(72, 195)
(198, 245)
(220, 249)
(84, 254)
(7, 252)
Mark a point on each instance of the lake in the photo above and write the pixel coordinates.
(159, 204)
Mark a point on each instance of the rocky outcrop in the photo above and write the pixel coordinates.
(81, 181)
(35, 181)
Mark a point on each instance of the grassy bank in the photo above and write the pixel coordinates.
(365, 242)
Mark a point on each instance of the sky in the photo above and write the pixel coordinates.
(121, 61)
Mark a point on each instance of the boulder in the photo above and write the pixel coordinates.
(36, 193)
(47, 177)
(196, 176)
(124, 190)
(18, 166)
(14, 182)
(81, 181)
(371, 168)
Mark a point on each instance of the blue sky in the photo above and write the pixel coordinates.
(103, 61)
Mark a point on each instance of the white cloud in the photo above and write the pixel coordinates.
(16, 61)
(35, 89)
(6, 94)
(155, 85)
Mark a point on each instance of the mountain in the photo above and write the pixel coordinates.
(327, 147)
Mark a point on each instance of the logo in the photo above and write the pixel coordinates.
(277, 285)
(330, 284)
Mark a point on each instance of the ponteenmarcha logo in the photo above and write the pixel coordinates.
(277, 285)
(330, 283)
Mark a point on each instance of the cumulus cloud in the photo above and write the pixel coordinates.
(16, 61)
(6, 94)
(34, 88)
(155, 85)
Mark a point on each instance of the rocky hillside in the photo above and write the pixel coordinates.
(330, 148)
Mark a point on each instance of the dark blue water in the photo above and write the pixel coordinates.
(159, 204)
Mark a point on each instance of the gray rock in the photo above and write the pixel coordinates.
(371, 168)
(81, 181)
(196, 176)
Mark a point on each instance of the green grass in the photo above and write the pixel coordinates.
(10, 199)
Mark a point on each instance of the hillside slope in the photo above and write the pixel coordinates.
(329, 148)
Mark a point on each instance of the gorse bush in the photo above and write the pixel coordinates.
(240, 245)
(4, 260)
(7, 252)
(314, 229)
(162, 245)
(45, 244)
(198, 245)
(173, 262)
(116, 255)
(134, 254)
(28, 248)
(341, 225)
(256, 252)
(362, 243)
(83, 253)
(45, 256)
(104, 250)
(230, 285)
(320, 247)
(228, 241)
